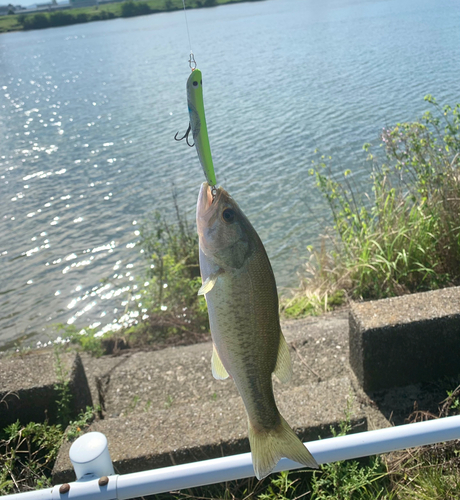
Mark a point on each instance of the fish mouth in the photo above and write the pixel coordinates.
(205, 199)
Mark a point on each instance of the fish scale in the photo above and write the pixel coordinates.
(238, 334)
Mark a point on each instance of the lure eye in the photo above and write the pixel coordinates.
(195, 84)
(228, 215)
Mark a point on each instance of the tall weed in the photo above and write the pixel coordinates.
(168, 299)
(404, 235)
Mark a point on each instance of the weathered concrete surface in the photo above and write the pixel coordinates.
(405, 340)
(184, 374)
(319, 352)
(189, 432)
(99, 372)
(164, 407)
(27, 386)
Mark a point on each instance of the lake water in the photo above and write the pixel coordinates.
(88, 114)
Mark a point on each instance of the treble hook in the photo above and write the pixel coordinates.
(185, 136)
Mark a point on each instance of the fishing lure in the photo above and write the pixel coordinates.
(198, 126)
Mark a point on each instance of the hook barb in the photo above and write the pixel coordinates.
(185, 136)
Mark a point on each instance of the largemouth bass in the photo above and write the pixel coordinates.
(240, 290)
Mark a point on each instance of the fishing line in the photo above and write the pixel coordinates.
(191, 60)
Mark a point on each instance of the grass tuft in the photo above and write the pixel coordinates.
(28, 452)
(167, 300)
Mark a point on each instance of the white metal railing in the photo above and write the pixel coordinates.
(91, 486)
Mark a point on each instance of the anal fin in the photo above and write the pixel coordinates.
(283, 368)
(218, 369)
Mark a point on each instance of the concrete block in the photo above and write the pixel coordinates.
(404, 340)
(27, 387)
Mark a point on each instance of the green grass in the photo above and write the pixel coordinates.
(403, 235)
(170, 293)
(106, 11)
(9, 23)
(166, 298)
(28, 452)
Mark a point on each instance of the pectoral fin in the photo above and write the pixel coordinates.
(218, 370)
(208, 285)
(283, 368)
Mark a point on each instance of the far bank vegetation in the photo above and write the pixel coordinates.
(130, 8)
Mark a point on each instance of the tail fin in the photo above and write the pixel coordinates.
(268, 447)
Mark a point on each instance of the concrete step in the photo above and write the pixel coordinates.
(164, 407)
(182, 375)
(405, 340)
(28, 386)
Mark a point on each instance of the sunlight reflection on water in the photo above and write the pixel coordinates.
(88, 114)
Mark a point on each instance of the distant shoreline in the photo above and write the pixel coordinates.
(114, 10)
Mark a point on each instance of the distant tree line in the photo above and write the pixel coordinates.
(138, 8)
(60, 18)
(129, 8)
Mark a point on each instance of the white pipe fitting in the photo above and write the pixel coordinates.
(89, 454)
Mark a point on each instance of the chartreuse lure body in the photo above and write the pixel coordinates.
(198, 125)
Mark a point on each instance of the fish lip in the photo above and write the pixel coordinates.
(206, 203)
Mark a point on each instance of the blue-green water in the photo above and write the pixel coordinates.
(88, 114)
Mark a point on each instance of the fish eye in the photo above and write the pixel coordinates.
(228, 215)
(195, 84)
